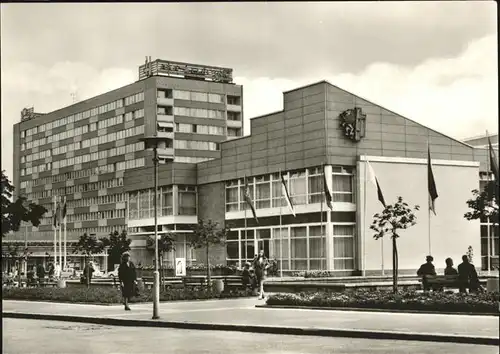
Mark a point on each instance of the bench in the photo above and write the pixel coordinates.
(234, 282)
(168, 282)
(438, 282)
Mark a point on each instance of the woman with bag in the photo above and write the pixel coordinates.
(260, 265)
(128, 279)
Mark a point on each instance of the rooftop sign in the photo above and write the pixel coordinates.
(185, 70)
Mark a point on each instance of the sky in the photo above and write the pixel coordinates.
(433, 62)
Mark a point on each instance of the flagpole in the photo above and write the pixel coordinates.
(60, 237)
(54, 225)
(281, 238)
(322, 225)
(363, 243)
(429, 201)
(65, 234)
(245, 209)
(488, 259)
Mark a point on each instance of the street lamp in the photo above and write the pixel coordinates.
(155, 142)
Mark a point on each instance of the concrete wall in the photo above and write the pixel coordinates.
(451, 233)
(143, 178)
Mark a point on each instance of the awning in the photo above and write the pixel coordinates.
(165, 125)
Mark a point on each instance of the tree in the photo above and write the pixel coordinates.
(394, 217)
(17, 255)
(20, 210)
(166, 243)
(117, 243)
(89, 245)
(206, 234)
(484, 204)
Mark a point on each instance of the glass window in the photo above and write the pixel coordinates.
(298, 187)
(187, 201)
(182, 95)
(215, 98)
(342, 188)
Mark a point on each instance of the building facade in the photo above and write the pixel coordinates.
(106, 175)
(490, 247)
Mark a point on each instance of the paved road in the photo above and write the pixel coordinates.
(53, 337)
(243, 312)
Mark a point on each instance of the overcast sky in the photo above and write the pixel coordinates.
(434, 62)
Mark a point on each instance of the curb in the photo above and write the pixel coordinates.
(361, 309)
(297, 331)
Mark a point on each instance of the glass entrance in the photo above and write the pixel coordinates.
(263, 242)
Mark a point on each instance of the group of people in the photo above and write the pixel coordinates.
(260, 265)
(466, 272)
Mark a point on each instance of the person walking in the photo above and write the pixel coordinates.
(260, 265)
(128, 279)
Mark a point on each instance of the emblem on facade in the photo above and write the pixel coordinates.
(352, 122)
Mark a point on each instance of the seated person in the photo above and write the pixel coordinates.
(468, 276)
(426, 269)
(449, 270)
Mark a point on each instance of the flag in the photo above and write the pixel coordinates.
(493, 161)
(328, 189)
(248, 199)
(284, 191)
(64, 211)
(431, 184)
(56, 216)
(374, 180)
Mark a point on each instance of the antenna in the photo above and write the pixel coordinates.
(74, 96)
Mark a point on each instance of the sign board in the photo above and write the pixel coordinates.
(180, 267)
(186, 70)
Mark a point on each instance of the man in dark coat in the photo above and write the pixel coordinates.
(426, 269)
(128, 279)
(467, 276)
(40, 273)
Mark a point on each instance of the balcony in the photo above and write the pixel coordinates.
(234, 123)
(166, 153)
(164, 101)
(165, 118)
(233, 108)
(167, 135)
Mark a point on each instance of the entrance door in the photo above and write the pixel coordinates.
(263, 245)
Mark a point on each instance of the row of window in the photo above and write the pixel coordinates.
(199, 129)
(36, 156)
(108, 214)
(198, 96)
(80, 130)
(141, 203)
(93, 186)
(134, 115)
(138, 97)
(304, 186)
(130, 164)
(199, 112)
(196, 145)
(296, 248)
(187, 159)
(72, 234)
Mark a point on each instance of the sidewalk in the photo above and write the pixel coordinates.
(242, 315)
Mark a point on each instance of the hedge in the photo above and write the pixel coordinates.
(409, 300)
(110, 295)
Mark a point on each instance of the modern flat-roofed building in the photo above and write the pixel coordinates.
(489, 231)
(323, 134)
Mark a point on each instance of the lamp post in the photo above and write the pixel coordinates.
(153, 142)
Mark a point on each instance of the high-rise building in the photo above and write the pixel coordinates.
(91, 153)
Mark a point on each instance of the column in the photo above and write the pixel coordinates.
(328, 224)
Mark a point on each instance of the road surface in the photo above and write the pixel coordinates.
(22, 336)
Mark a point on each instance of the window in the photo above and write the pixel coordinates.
(182, 95)
(315, 185)
(187, 200)
(262, 192)
(215, 98)
(343, 247)
(236, 116)
(129, 116)
(233, 132)
(232, 196)
(234, 100)
(298, 248)
(164, 93)
(166, 201)
(208, 129)
(298, 187)
(184, 128)
(342, 188)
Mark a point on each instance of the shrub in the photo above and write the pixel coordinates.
(111, 295)
(410, 300)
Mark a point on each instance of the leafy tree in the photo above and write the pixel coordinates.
(166, 243)
(20, 210)
(206, 234)
(484, 204)
(16, 254)
(117, 243)
(394, 217)
(89, 245)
